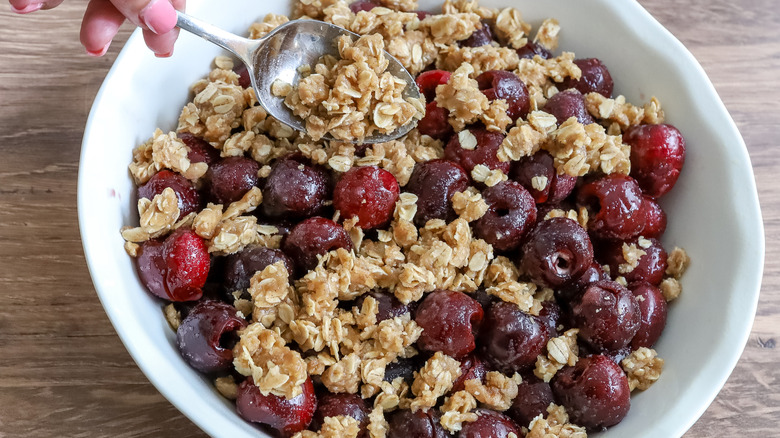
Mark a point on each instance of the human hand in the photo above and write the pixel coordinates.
(102, 19)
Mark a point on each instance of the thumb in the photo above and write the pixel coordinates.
(158, 16)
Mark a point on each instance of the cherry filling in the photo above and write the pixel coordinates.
(288, 416)
(368, 193)
(607, 315)
(241, 266)
(501, 84)
(557, 251)
(567, 104)
(511, 339)
(614, 204)
(230, 178)
(189, 199)
(657, 156)
(334, 405)
(485, 152)
(594, 392)
(450, 321)
(511, 213)
(177, 268)
(434, 182)
(206, 336)
(311, 238)
(295, 189)
(652, 310)
(595, 78)
(490, 424)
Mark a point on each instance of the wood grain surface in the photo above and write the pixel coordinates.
(64, 371)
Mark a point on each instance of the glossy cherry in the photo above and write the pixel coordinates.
(368, 193)
(657, 156)
(204, 336)
(189, 199)
(557, 251)
(175, 269)
(652, 310)
(388, 306)
(650, 267)
(567, 104)
(435, 122)
(615, 207)
(404, 423)
(607, 315)
(490, 424)
(511, 339)
(240, 267)
(655, 218)
(312, 237)
(532, 49)
(288, 416)
(450, 321)
(594, 392)
(595, 78)
(501, 84)
(528, 171)
(230, 178)
(511, 214)
(334, 405)
(199, 150)
(481, 37)
(362, 5)
(429, 80)
(533, 397)
(485, 152)
(471, 367)
(434, 182)
(295, 188)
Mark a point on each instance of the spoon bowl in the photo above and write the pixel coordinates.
(278, 56)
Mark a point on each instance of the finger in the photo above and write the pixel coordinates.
(100, 24)
(161, 45)
(49, 4)
(159, 16)
(25, 6)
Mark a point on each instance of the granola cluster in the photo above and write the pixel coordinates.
(325, 323)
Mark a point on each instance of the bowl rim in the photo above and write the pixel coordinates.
(726, 129)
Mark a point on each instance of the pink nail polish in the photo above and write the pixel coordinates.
(100, 52)
(32, 7)
(159, 16)
(163, 55)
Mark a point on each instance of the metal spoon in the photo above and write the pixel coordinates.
(278, 56)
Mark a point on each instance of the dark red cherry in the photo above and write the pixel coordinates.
(200, 151)
(511, 214)
(450, 321)
(429, 80)
(388, 306)
(595, 78)
(533, 397)
(485, 152)
(532, 49)
(567, 104)
(655, 218)
(566, 293)
(369, 193)
(312, 237)
(434, 182)
(189, 199)
(549, 316)
(435, 123)
(243, 75)
(240, 267)
(510, 338)
(657, 156)
(607, 315)
(594, 392)
(231, 178)
(363, 5)
(651, 266)
(334, 405)
(501, 84)
(653, 309)
(288, 416)
(490, 424)
(556, 252)
(295, 189)
(403, 368)
(471, 367)
(529, 171)
(404, 423)
(175, 269)
(481, 37)
(204, 336)
(614, 204)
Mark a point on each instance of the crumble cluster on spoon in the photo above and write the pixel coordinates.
(496, 272)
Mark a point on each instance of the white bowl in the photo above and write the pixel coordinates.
(713, 212)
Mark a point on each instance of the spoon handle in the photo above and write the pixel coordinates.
(239, 46)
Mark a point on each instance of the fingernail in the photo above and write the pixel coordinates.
(163, 55)
(159, 16)
(100, 52)
(32, 7)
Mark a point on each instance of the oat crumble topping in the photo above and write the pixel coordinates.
(497, 392)
(556, 425)
(643, 368)
(561, 351)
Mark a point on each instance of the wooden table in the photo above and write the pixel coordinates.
(64, 371)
